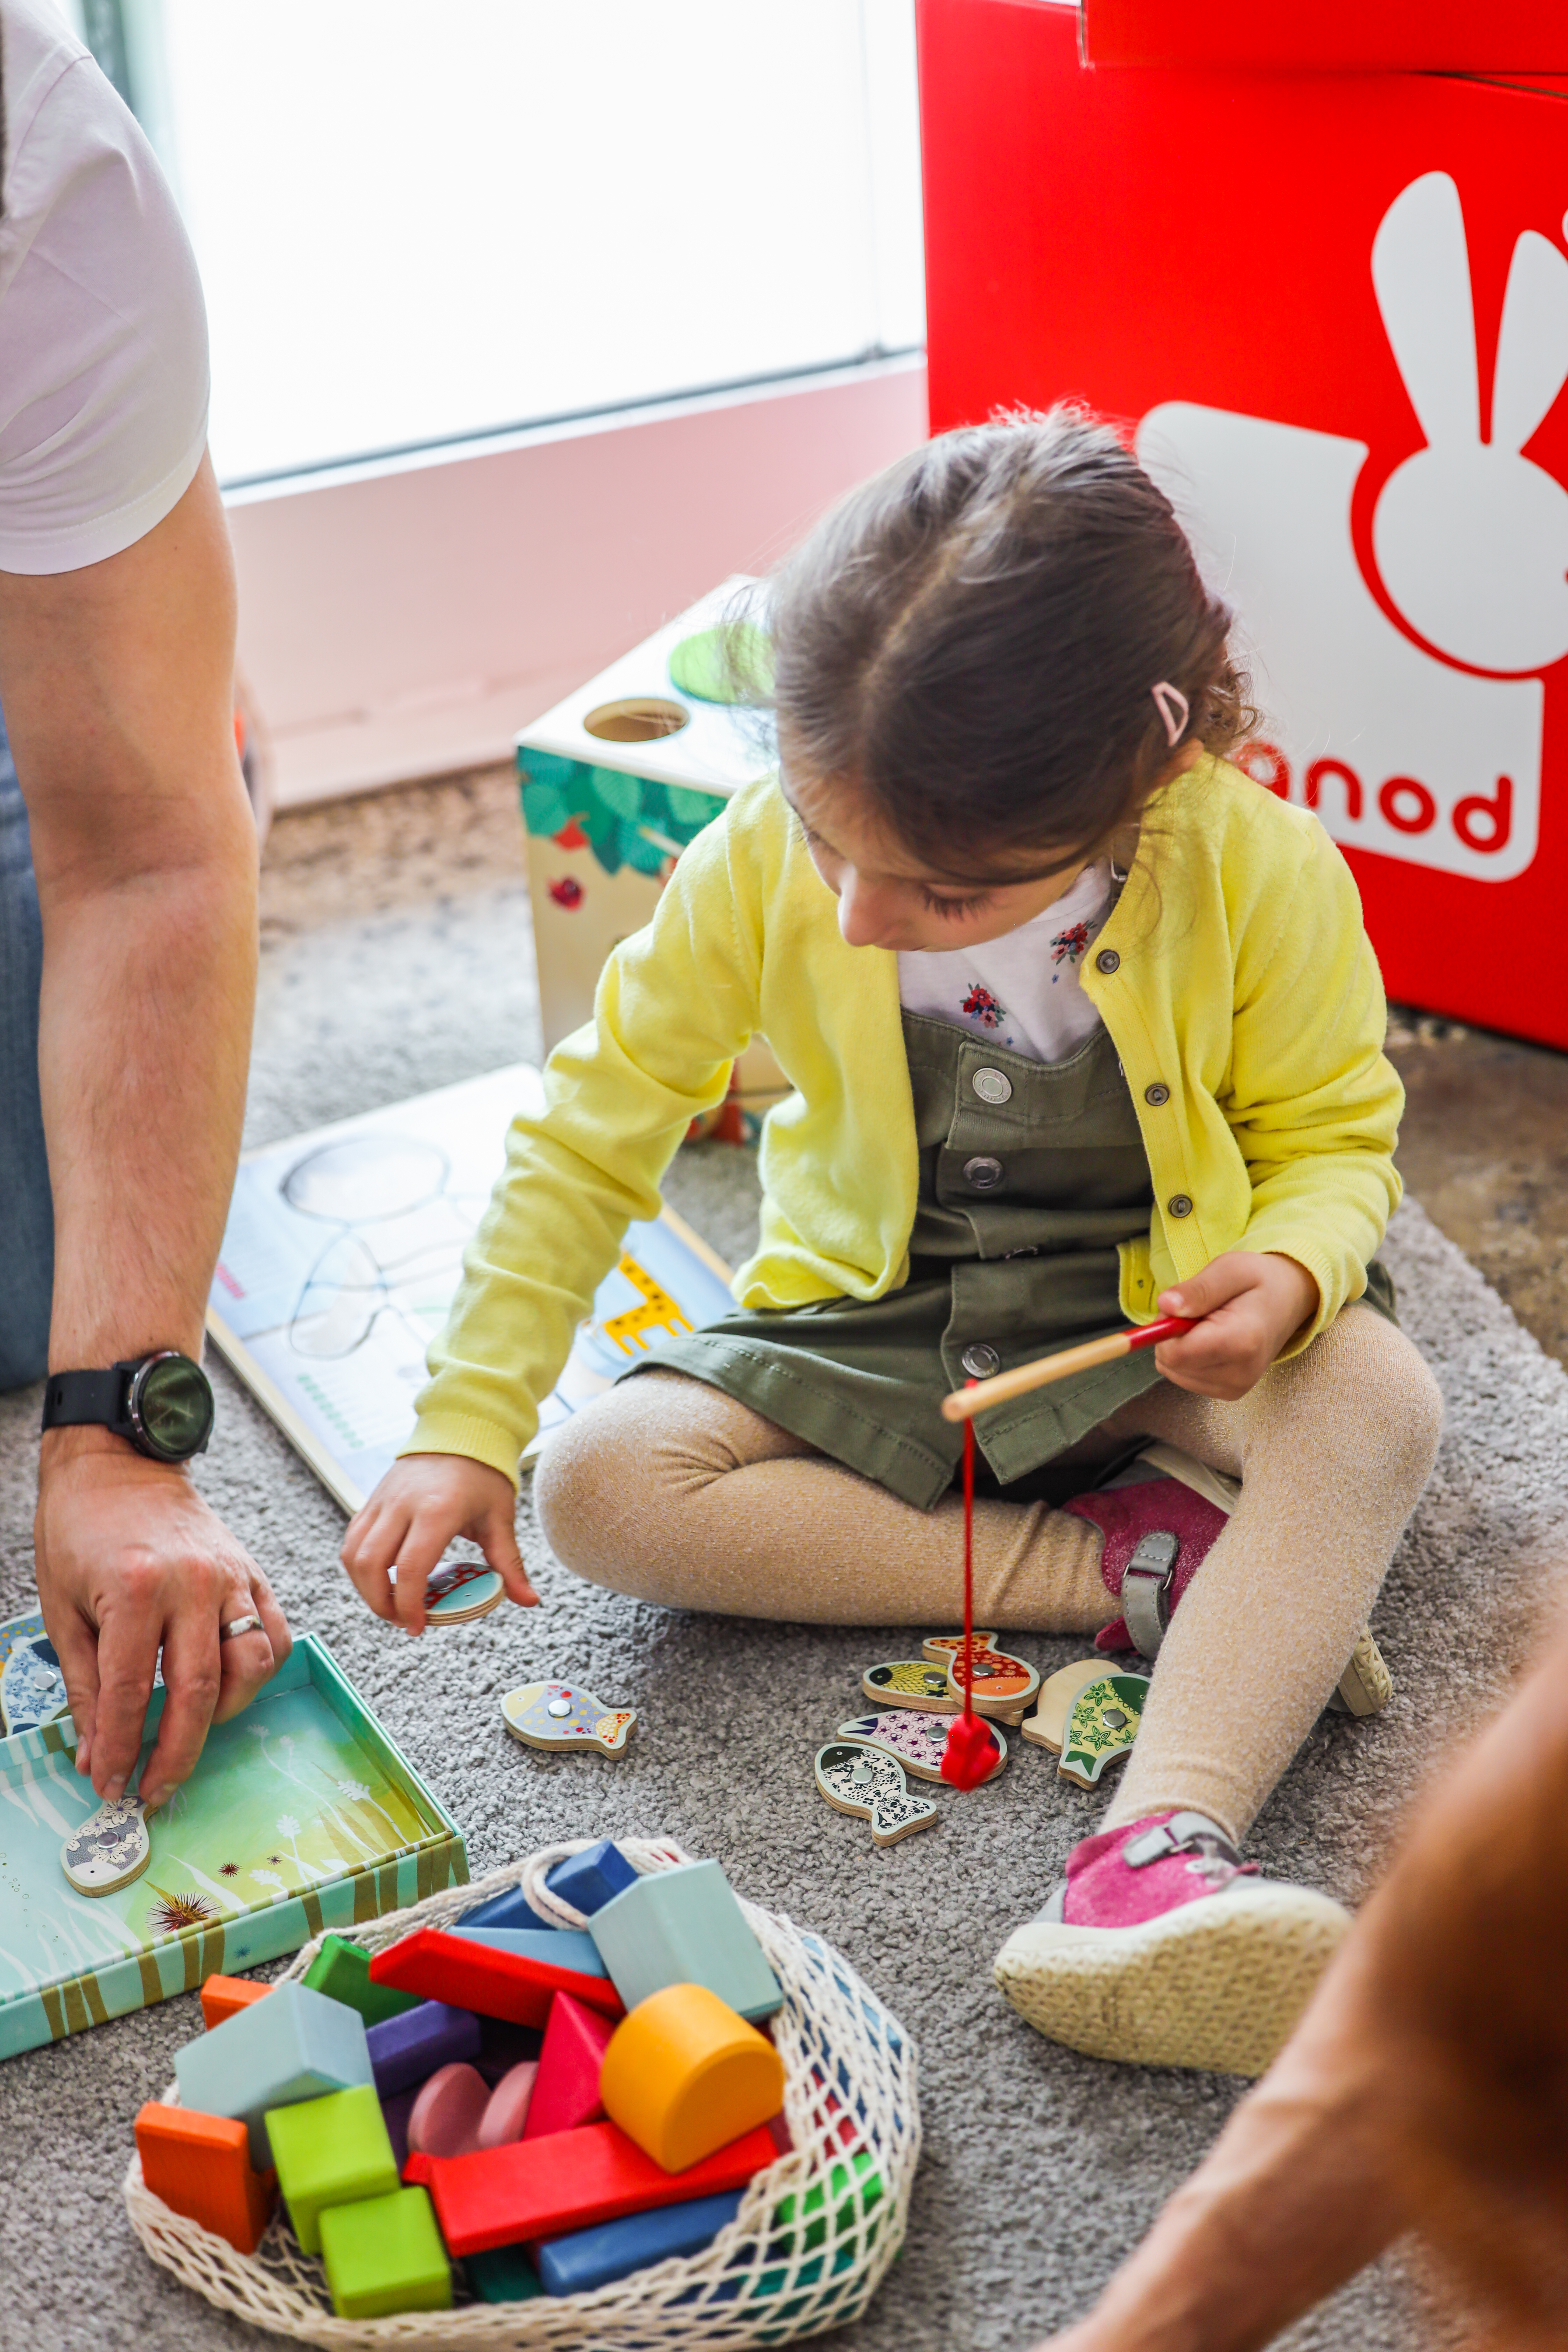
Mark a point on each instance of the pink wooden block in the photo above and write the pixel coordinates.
(507, 2115)
(567, 2092)
(448, 2112)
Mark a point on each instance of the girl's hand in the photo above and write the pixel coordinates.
(1252, 1304)
(422, 1502)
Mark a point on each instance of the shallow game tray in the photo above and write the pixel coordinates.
(301, 1816)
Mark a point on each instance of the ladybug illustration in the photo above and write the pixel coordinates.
(567, 892)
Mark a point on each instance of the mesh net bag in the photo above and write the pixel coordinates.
(806, 2252)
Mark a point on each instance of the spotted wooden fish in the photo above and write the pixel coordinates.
(856, 1778)
(110, 1849)
(1003, 1685)
(1102, 1725)
(32, 1687)
(916, 1741)
(557, 1716)
(462, 1590)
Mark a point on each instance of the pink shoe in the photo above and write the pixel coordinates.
(1161, 1948)
(1157, 1532)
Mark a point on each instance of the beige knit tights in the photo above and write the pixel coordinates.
(670, 1490)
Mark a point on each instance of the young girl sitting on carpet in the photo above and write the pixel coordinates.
(1083, 1025)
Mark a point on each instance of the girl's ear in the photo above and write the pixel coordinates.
(1421, 270)
(1532, 344)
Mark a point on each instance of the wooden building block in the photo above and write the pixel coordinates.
(591, 1879)
(567, 2088)
(341, 1970)
(476, 1976)
(511, 1909)
(221, 1996)
(558, 1948)
(591, 2258)
(506, 2117)
(685, 1927)
(684, 2074)
(200, 2166)
(385, 2254)
(504, 2275)
(447, 2115)
(408, 2049)
(296, 2044)
(330, 2151)
(545, 2187)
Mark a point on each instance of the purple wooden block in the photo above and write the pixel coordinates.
(405, 2050)
(395, 2112)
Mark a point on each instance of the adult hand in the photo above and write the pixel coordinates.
(130, 1558)
(424, 1501)
(1251, 1303)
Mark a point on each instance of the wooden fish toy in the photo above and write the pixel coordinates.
(856, 1778)
(1102, 1725)
(912, 1683)
(1047, 1727)
(460, 1590)
(110, 1849)
(1004, 1686)
(563, 1716)
(32, 1687)
(915, 1741)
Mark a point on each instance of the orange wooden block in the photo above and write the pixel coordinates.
(221, 1996)
(200, 2166)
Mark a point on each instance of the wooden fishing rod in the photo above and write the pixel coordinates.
(965, 1402)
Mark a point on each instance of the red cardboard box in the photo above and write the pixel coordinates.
(1334, 309)
(1328, 35)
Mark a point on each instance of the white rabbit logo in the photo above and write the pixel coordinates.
(1397, 751)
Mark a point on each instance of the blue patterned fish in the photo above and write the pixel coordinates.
(565, 1716)
(110, 1849)
(32, 1687)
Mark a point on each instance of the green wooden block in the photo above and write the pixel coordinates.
(385, 2254)
(341, 1970)
(684, 1927)
(503, 2275)
(329, 2152)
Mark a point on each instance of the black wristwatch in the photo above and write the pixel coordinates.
(161, 1403)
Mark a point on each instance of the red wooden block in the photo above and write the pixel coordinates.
(200, 2166)
(542, 2187)
(566, 2087)
(222, 1996)
(416, 2171)
(482, 1978)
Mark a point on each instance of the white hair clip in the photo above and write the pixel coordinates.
(1174, 707)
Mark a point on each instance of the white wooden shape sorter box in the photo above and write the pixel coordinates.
(616, 781)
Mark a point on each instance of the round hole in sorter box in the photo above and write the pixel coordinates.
(637, 718)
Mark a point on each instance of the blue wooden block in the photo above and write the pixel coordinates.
(685, 1927)
(591, 2258)
(296, 2044)
(564, 1947)
(591, 1879)
(407, 2050)
(511, 1909)
(503, 2275)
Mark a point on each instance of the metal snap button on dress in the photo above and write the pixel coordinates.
(1157, 1094)
(1107, 960)
(981, 1360)
(1180, 1205)
(982, 1173)
(993, 1086)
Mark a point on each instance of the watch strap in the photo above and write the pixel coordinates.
(74, 1399)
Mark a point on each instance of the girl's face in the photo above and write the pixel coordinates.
(887, 899)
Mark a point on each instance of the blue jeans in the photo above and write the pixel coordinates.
(26, 1207)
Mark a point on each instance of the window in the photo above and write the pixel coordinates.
(423, 223)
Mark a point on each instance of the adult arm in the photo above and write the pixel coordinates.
(117, 684)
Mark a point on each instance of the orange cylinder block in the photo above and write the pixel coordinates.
(684, 2074)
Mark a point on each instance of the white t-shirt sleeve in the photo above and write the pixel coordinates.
(104, 344)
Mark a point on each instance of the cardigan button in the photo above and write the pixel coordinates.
(982, 1173)
(1107, 960)
(1156, 1094)
(981, 1360)
(1180, 1204)
(993, 1086)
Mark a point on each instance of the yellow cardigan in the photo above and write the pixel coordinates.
(1234, 977)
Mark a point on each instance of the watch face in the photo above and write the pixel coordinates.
(173, 1407)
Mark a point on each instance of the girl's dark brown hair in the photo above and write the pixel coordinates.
(971, 638)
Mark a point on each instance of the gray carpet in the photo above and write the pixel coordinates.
(1041, 2168)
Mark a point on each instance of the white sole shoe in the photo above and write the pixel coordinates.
(1216, 1984)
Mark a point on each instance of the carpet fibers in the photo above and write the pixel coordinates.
(1041, 2168)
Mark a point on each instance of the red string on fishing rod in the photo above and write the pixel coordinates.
(969, 1756)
